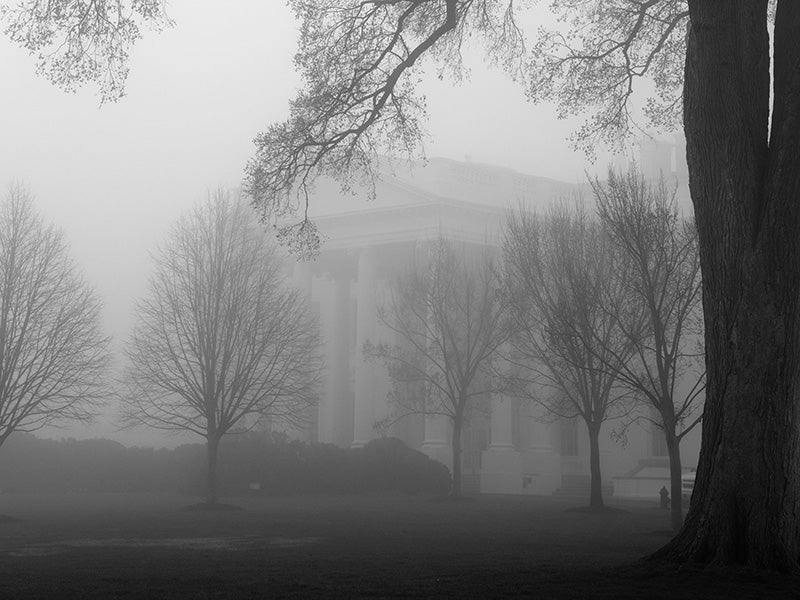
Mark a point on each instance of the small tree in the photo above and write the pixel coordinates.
(663, 278)
(222, 343)
(448, 322)
(574, 326)
(52, 353)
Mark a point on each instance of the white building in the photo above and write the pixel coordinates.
(515, 449)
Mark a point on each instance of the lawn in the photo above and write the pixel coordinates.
(92, 546)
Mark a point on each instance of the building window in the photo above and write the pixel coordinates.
(658, 443)
(569, 437)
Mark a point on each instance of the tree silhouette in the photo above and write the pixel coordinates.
(449, 323)
(53, 355)
(663, 282)
(575, 328)
(222, 343)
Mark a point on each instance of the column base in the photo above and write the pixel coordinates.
(501, 471)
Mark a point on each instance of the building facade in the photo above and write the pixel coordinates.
(510, 447)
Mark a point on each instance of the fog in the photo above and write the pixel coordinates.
(491, 378)
(115, 177)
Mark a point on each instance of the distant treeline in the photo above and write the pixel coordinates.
(272, 462)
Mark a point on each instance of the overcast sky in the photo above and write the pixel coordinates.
(115, 178)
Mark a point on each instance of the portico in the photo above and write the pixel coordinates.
(365, 250)
(512, 447)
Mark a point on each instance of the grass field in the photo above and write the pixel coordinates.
(374, 546)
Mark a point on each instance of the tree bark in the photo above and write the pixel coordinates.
(675, 479)
(596, 490)
(745, 183)
(457, 426)
(212, 445)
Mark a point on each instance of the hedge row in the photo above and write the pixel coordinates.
(247, 464)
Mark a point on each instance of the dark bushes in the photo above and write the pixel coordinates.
(276, 464)
(285, 467)
(30, 464)
(387, 464)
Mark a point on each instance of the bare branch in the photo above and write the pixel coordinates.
(221, 343)
(665, 281)
(78, 41)
(53, 356)
(559, 284)
(592, 63)
(358, 60)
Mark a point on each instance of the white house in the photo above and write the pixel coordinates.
(515, 448)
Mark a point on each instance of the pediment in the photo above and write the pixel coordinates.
(459, 199)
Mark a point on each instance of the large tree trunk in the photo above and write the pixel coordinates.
(746, 191)
(596, 490)
(457, 425)
(675, 479)
(212, 445)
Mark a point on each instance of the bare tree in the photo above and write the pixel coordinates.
(572, 319)
(222, 342)
(714, 59)
(53, 355)
(448, 321)
(663, 278)
(729, 69)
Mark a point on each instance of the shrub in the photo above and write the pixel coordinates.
(280, 466)
(388, 464)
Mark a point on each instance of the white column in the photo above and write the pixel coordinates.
(501, 465)
(302, 281)
(383, 385)
(366, 317)
(301, 278)
(545, 457)
(501, 423)
(336, 410)
(436, 444)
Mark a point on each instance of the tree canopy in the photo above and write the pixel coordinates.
(359, 98)
(575, 328)
(53, 354)
(222, 343)
(77, 42)
(448, 323)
